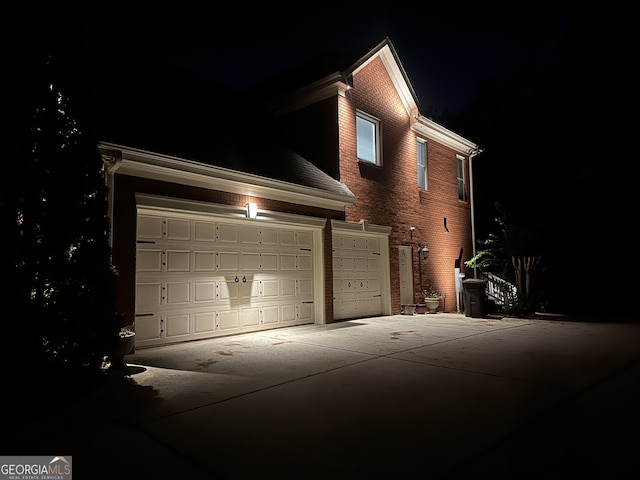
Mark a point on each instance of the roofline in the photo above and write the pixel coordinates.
(430, 129)
(339, 82)
(144, 164)
(391, 60)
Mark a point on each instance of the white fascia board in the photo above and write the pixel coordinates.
(327, 87)
(140, 163)
(430, 129)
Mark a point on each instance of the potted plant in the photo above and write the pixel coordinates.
(431, 299)
(124, 345)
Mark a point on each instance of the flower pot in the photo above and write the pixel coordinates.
(432, 304)
(408, 309)
(123, 346)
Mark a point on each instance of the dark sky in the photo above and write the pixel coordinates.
(445, 47)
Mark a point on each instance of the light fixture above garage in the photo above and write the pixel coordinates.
(252, 210)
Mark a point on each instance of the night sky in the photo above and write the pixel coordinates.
(446, 49)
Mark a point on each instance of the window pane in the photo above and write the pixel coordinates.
(366, 140)
(461, 194)
(422, 165)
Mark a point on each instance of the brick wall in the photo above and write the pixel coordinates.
(389, 194)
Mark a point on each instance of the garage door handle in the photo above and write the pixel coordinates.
(308, 302)
(144, 314)
(145, 241)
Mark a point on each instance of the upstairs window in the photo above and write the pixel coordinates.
(422, 164)
(461, 186)
(368, 138)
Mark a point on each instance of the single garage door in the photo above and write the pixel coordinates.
(357, 276)
(199, 277)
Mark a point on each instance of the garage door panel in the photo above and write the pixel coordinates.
(360, 264)
(149, 227)
(249, 235)
(204, 231)
(228, 233)
(270, 315)
(204, 261)
(250, 262)
(148, 260)
(305, 312)
(149, 294)
(304, 239)
(287, 238)
(288, 313)
(373, 264)
(248, 288)
(177, 292)
(204, 291)
(228, 261)
(269, 288)
(250, 317)
(287, 262)
(229, 320)
(373, 284)
(177, 260)
(269, 262)
(305, 287)
(148, 328)
(304, 263)
(204, 322)
(269, 237)
(178, 229)
(229, 290)
(177, 325)
(288, 287)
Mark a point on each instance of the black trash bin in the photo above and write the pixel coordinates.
(475, 298)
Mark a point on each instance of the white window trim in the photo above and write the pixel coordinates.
(376, 123)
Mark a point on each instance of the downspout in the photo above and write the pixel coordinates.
(111, 159)
(472, 154)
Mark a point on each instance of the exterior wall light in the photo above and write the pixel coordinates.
(252, 210)
(424, 252)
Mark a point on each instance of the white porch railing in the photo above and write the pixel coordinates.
(499, 290)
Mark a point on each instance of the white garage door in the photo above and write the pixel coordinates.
(357, 276)
(200, 277)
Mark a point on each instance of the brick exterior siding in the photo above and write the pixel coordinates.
(389, 194)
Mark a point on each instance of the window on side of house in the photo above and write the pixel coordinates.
(422, 164)
(368, 138)
(461, 184)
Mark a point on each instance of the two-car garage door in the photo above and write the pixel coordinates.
(199, 276)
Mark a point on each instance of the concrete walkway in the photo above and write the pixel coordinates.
(422, 396)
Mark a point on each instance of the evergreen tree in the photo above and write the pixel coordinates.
(55, 228)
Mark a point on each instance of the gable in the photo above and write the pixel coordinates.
(341, 79)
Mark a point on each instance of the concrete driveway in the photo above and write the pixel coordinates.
(422, 396)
